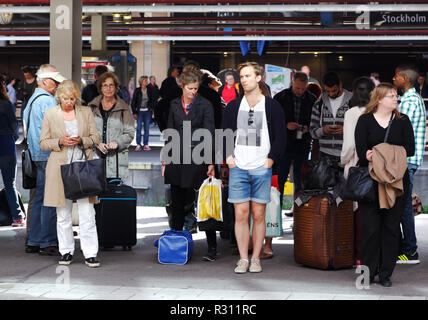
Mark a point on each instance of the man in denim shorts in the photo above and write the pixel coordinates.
(259, 124)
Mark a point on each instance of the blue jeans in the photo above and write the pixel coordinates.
(144, 118)
(284, 169)
(408, 244)
(43, 219)
(8, 172)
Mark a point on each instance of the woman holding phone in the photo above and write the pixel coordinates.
(67, 131)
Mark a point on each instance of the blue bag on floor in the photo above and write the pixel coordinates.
(174, 247)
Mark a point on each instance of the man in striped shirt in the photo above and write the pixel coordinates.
(328, 115)
(413, 106)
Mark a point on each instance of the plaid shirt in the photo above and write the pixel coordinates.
(413, 106)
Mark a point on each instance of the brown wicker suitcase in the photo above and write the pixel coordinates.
(324, 234)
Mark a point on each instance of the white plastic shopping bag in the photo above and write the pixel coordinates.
(210, 201)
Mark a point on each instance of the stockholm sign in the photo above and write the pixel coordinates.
(380, 19)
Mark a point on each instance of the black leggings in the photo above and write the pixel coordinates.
(181, 200)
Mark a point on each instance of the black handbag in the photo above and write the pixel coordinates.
(84, 179)
(29, 169)
(318, 174)
(360, 185)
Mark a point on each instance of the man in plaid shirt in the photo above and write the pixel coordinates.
(413, 106)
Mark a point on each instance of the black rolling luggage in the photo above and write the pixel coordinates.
(116, 215)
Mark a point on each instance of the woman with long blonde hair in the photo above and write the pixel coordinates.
(381, 227)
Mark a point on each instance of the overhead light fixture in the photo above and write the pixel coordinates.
(117, 17)
(6, 17)
(127, 18)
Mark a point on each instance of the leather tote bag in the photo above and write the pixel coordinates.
(83, 179)
(318, 174)
(360, 186)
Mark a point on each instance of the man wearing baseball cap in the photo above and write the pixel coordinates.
(42, 237)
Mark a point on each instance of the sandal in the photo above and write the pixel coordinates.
(266, 255)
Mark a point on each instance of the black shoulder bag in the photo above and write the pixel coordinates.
(29, 170)
(360, 186)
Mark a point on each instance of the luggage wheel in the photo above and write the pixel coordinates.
(127, 248)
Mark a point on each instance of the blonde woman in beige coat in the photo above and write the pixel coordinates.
(68, 131)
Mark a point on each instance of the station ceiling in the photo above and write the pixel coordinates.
(200, 26)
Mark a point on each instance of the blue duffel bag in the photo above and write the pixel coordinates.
(174, 247)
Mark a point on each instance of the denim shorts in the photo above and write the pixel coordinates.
(249, 185)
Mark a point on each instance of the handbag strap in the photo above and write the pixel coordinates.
(31, 108)
(389, 127)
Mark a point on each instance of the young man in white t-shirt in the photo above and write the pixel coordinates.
(260, 137)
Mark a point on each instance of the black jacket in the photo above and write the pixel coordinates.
(138, 96)
(217, 102)
(89, 93)
(200, 115)
(8, 121)
(285, 99)
(275, 122)
(169, 91)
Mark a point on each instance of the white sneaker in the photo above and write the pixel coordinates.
(255, 266)
(242, 266)
(139, 148)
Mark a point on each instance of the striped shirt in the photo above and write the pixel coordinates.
(322, 115)
(413, 106)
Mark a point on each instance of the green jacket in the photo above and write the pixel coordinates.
(120, 129)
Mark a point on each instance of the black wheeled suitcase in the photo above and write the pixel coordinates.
(116, 216)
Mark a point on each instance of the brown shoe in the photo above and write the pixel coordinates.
(49, 251)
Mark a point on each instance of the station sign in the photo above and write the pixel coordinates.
(398, 19)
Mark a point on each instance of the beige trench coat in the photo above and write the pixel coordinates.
(53, 128)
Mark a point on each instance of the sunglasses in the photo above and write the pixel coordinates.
(250, 117)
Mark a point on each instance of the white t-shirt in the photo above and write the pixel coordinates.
(252, 144)
(336, 103)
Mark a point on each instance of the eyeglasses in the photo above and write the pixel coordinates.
(392, 96)
(108, 86)
(250, 117)
(72, 99)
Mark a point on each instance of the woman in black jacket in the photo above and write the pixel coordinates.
(8, 135)
(189, 112)
(142, 107)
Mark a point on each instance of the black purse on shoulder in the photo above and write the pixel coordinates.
(360, 185)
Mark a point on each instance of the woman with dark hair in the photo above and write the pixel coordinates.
(380, 238)
(185, 179)
(8, 136)
(141, 108)
(115, 125)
